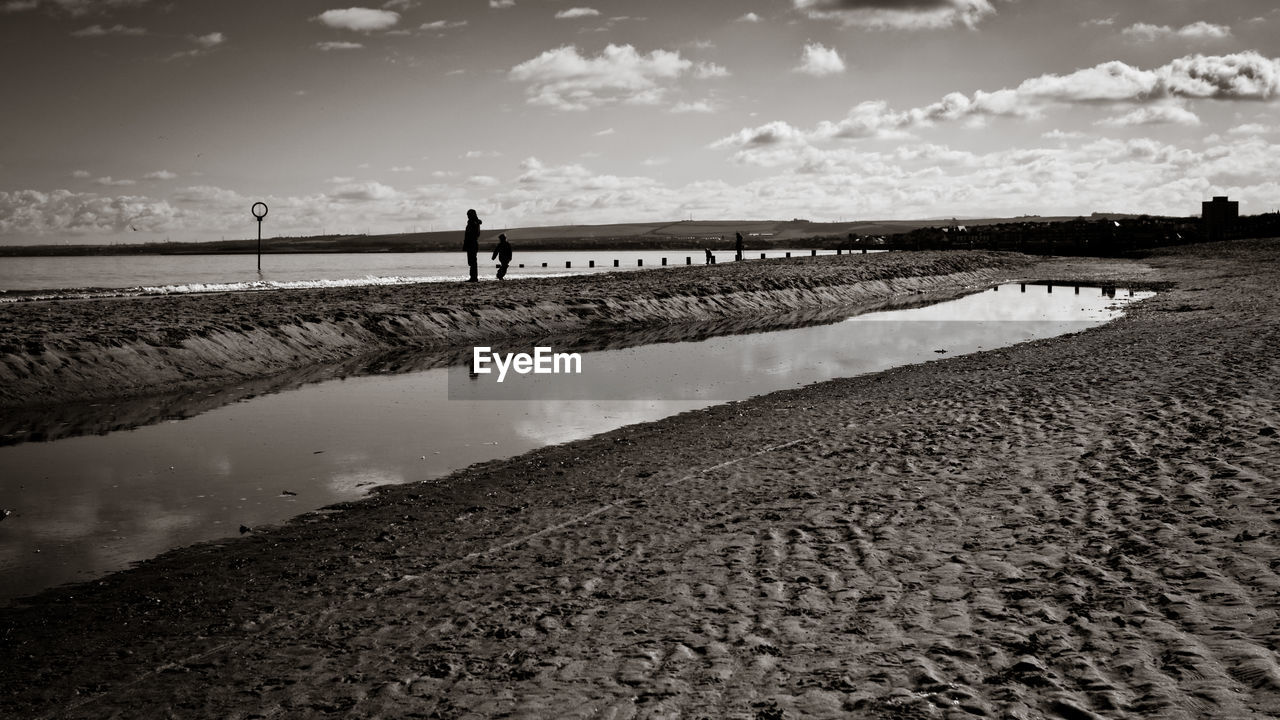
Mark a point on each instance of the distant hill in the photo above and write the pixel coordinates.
(690, 234)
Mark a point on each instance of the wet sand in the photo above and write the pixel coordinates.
(1078, 527)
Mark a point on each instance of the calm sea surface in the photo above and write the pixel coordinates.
(196, 273)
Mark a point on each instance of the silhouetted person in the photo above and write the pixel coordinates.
(708, 260)
(503, 255)
(471, 243)
(737, 246)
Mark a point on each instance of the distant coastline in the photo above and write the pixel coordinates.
(717, 234)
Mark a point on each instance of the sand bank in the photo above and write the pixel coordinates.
(1081, 527)
(87, 350)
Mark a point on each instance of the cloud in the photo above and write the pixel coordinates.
(899, 14)
(71, 7)
(699, 106)
(1197, 31)
(500, 4)
(401, 168)
(99, 31)
(708, 70)
(564, 79)
(1153, 115)
(80, 174)
(32, 213)
(482, 181)
(109, 181)
(820, 61)
(335, 45)
(1149, 95)
(577, 12)
(442, 25)
(365, 191)
(209, 41)
(1253, 129)
(359, 19)
(749, 17)
(160, 175)
(475, 154)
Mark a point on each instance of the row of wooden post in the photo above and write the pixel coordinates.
(688, 260)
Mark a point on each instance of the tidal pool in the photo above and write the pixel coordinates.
(84, 506)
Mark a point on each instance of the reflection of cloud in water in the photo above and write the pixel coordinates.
(360, 481)
(553, 422)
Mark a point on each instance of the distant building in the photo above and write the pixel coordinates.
(1219, 217)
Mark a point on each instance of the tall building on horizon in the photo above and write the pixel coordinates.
(1218, 216)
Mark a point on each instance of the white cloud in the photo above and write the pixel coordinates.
(80, 174)
(708, 70)
(99, 31)
(899, 14)
(698, 106)
(820, 61)
(474, 154)
(1242, 76)
(1198, 31)
(577, 12)
(337, 45)
(31, 213)
(500, 4)
(1253, 129)
(750, 18)
(401, 168)
(109, 181)
(160, 175)
(359, 19)
(564, 79)
(443, 25)
(606, 131)
(482, 181)
(208, 41)
(1153, 115)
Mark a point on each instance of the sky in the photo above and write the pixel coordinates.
(147, 120)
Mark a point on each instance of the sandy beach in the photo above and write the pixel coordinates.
(1081, 527)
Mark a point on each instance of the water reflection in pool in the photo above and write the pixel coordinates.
(83, 506)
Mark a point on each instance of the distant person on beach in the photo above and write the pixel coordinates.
(471, 243)
(503, 255)
(708, 260)
(737, 246)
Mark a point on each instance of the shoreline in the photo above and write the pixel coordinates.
(67, 351)
(1077, 527)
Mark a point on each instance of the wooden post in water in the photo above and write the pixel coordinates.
(788, 254)
(813, 253)
(591, 263)
(664, 261)
(1024, 287)
(544, 264)
(761, 256)
(568, 264)
(688, 260)
(639, 262)
(615, 263)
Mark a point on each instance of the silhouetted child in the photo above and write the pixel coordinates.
(708, 260)
(503, 255)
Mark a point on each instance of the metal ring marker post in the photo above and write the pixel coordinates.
(259, 216)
